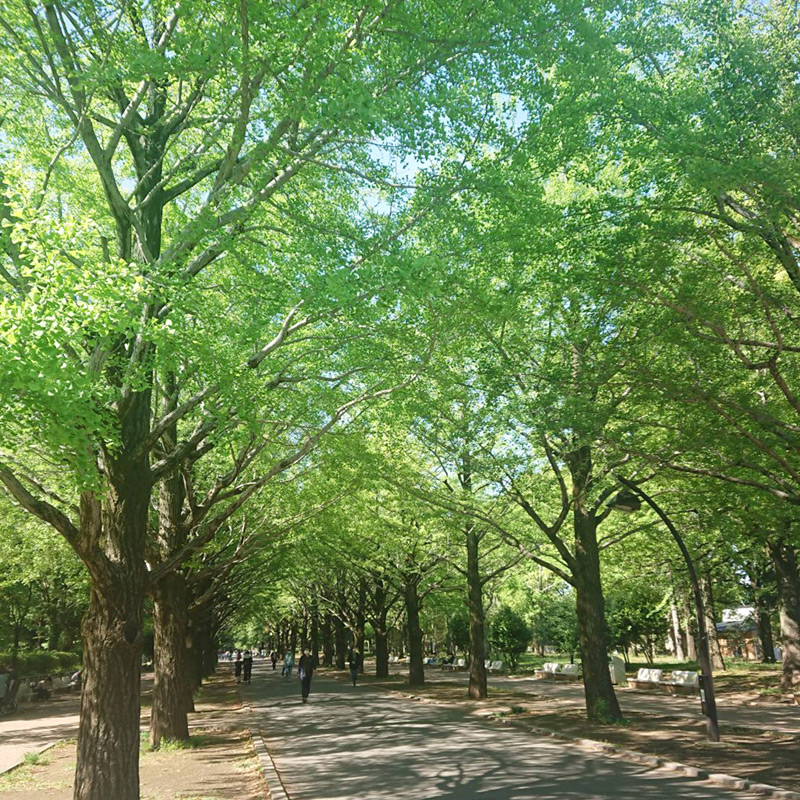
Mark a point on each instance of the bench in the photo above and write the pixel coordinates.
(568, 672)
(495, 666)
(682, 681)
(648, 679)
(460, 664)
(548, 670)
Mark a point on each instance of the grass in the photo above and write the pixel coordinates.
(169, 745)
(34, 759)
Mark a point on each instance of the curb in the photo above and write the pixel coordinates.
(275, 787)
(720, 779)
(22, 760)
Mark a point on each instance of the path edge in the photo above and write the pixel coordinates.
(732, 782)
(275, 787)
(22, 760)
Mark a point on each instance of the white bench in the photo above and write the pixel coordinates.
(495, 666)
(460, 664)
(549, 670)
(682, 681)
(648, 678)
(570, 671)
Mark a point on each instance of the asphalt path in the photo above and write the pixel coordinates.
(776, 717)
(360, 742)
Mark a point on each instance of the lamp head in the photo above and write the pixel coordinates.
(627, 502)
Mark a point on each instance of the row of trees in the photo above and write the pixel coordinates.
(410, 292)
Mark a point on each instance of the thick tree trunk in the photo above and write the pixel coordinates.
(677, 634)
(784, 558)
(108, 736)
(763, 609)
(112, 543)
(341, 641)
(172, 687)
(717, 661)
(315, 634)
(478, 687)
(361, 619)
(416, 666)
(327, 641)
(381, 649)
(601, 701)
(688, 621)
(381, 633)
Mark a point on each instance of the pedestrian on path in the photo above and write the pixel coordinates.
(273, 657)
(248, 665)
(354, 662)
(305, 669)
(237, 667)
(288, 664)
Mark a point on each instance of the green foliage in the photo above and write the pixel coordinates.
(458, 631)
(42, 662)
(554, 622)
(509, 634)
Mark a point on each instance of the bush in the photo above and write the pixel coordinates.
(509, 634)
(31, 663)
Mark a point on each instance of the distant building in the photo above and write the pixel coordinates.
(738, 633)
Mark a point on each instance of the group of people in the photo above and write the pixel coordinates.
(243, 667)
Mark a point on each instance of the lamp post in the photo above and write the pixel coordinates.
(629, 501)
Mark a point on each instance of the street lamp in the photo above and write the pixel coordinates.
(628, 501)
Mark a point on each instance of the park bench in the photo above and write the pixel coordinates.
(548, 670)
(648, 679)
(495, 666)
(682, 681)
(460, 664)
(568, 672)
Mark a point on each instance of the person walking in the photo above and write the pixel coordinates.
(247, 665)
(354, 662)
(237, 667)
(288, 664)
(305, 669)
(273, 657)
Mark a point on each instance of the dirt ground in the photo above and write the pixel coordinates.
(759, 756)
(220, 764)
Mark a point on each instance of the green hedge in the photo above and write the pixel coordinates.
(42, 662)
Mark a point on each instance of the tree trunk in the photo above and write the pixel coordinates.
(361, 619)
(688, 621)
(172, 689)
(327, 641)
(315, 634)
(784, 557)
(677, 636)
(381, 634)
(341, 641)
(478, 687)
(763, 613)
(416, 666)
(717, 661)
(108, 735)
(601, 701)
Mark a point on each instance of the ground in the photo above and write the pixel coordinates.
(220, 764)
(374, 741)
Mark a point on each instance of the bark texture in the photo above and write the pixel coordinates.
(416, 666)
(784, 558)
(478, 688)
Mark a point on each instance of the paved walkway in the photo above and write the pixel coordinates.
(783, 718)
(35, 726)
(364, 743)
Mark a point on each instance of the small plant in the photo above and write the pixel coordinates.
(36, 759)
(517, 710)
(173, 745)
